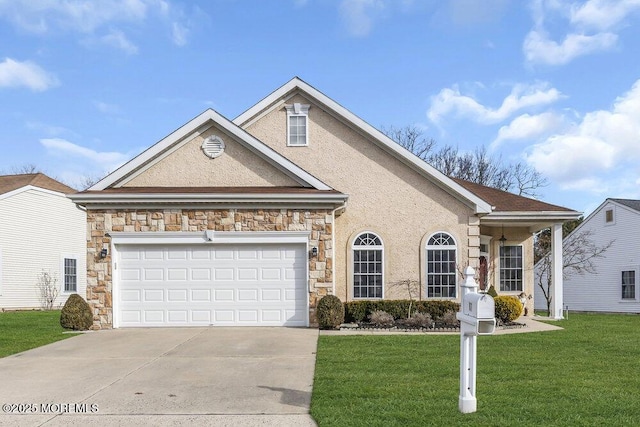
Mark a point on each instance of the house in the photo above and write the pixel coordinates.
(252, 221)
(41, 230)
(613, 286)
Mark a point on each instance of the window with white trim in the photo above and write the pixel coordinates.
(609, 217)
(629, 285)
(297, 125)
(70, 274)
(511, 268)
(368, 261)
(441, 266)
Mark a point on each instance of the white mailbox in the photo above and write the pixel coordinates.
(480, 306)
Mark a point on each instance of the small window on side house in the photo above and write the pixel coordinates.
(608, 216)
(629, 284)
(297, 125)
(70, 275)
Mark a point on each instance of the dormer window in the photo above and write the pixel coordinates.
(297, 126)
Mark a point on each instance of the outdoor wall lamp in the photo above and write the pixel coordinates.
(103, 253)
(314, 251)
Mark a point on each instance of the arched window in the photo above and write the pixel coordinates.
(441, 266)
(368, 264)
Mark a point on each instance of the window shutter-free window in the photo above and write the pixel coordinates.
(70, 275)
(297, 125)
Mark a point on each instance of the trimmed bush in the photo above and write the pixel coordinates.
(76, 314)
(359, 311)
(508, 308)
(330, 312)
(382, 319)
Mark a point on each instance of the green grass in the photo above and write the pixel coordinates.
(24, 330)
(584, 375)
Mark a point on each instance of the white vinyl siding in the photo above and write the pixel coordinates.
(36, 228)
(602, 291)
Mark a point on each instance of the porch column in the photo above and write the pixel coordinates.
(556, 272)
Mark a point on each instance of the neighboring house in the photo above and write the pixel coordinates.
(252, 221)
(41, 230)
(615, 286)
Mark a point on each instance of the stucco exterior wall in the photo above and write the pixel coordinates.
(385, 197)
(188, 166)
(101, 222)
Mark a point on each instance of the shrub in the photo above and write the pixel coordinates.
(449, 318)
(330, 312)
(492, 291)
(358, 311)
(420, 320)
(76, 314)
(381, 319)
(508, 308)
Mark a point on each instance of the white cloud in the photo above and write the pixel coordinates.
(603, 14)
(538, 48)
(118, 40)
(106, 108)
(528, 126)
(602, 143)
(25, 74)
(451, 101)
(105, 160)
(79, 15)
(592, 27)
(359, 15)
(179, 34)
(96, 18)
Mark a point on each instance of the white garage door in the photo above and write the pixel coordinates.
(198, 285)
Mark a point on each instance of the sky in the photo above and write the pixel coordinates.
(86, 85)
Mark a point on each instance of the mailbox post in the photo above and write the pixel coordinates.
(477, 317)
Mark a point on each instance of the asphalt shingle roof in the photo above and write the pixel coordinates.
(630, 203)
(509, 202)
(13, 182)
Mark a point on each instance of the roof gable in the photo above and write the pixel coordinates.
(10, 183)
(196, 127)
(297, 86)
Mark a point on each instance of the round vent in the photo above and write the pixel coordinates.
(213, 146)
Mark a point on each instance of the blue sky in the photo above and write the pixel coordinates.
(86, 85)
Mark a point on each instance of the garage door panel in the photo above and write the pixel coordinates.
(220, 285)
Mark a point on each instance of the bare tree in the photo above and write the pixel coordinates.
(579, 255)
(477, 166)
(48, 291)
(413, 289)
(411, 138)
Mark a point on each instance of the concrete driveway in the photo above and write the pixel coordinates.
(178, 376)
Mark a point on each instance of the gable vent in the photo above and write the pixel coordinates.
(213, 146)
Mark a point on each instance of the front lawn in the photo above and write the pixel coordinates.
(23, 330)
(584, 375)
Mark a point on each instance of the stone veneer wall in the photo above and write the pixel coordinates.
(101, 222)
